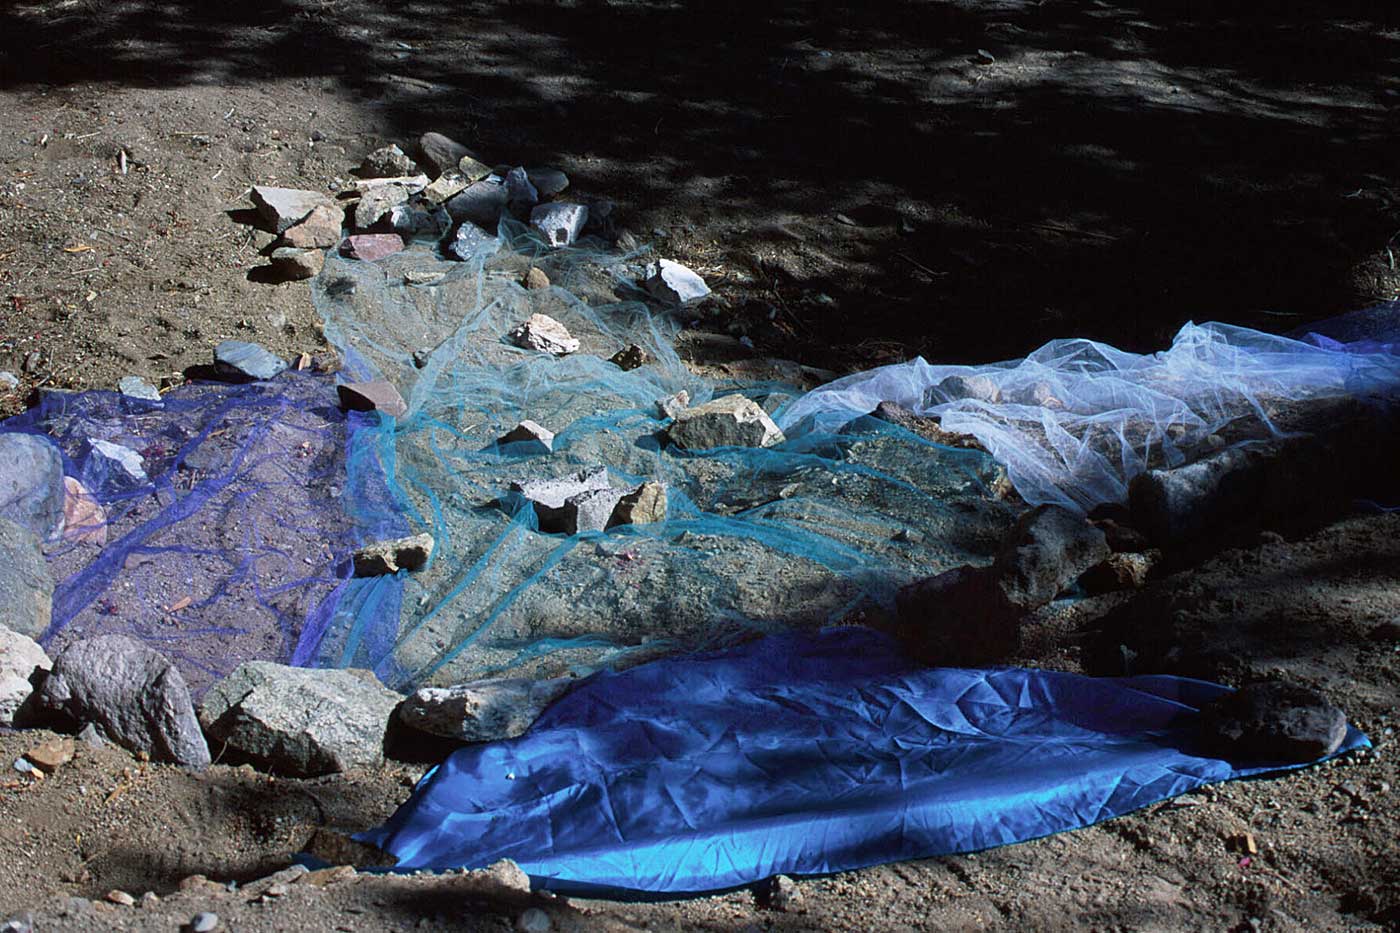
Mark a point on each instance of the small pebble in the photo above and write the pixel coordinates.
(204, 922)
(120, 897)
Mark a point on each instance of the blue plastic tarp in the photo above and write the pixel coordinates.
(802, 755)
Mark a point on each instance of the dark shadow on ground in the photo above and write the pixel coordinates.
(1105, 170)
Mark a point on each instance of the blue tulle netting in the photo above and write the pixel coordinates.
(236, 545)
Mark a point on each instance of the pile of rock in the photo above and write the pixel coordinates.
(587, 501)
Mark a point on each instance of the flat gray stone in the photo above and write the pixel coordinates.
(559, 223)
(411, 220)
(134, 694)
(20, 657)
(243, 361)
(551, 497)
(298, 721)
(547, 181)
(471, 241)
(482, 711)
(374, 395)
(31, 483)
(730, 421)
(672, 282)
(440, 153)
(591, 510)
(285, 207)
(136, 387)
(481, 203)
(26, 585)
(474, 170)
(447, 185)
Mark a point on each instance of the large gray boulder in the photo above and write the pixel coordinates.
(1046, 552)
(731, 421)
(299, 721)
(31, 483)
(26, 586)
(20, 657)
(482, 711)
(134, 694)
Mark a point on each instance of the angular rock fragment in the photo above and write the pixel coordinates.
(298, 721)
(375, 395)
(535, 279)
(240, 361)
(955, 388)
(547, 181)
(135, 695)
(371, 247)
(112, 467)
(293, 265)
(410, 183)
(673, 404)
(386, 557)
(319, 230)
(472, 241)
(641, 506)
(542, 332)
(528, 432)
(960, 617)
(49, 756)
(136, 387)
(26, 586)
(1273, 722)
(377, 203)
(482, 711)
(411, 220)
(560, 223)
(31, 483)
(590, 511)
(730, 421)
(1046, 552)
(672, 282)
(481, 203)
(440, 152)
(472, 169)
(84, 519)
(386, 162)
(20, 657)
(520, 194)
(551, 497)
(448, 185)
(630, 357)
(1121, 570)
(285, 207)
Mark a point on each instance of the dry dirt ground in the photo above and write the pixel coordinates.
(860, 183)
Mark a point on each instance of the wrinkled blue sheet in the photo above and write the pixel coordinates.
(802, 755)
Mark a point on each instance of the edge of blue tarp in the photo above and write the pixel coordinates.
(803, 755)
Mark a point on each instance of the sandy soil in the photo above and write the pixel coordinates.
(860, 185)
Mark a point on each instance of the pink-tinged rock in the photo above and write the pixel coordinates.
(320, 229)
(84, 519)
(371, 246)
(376, 395)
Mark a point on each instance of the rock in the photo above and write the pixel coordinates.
(533, 920)
(8, 380)
(375, 395)
(535, 279)
(552, 498)
(324, 877)
(927, 427)
(673, 404)
(410, 183)
(136, 387)
(1273, 722)
(411, 220)
(440, 153)
(559, 222)
(299, 721)
(547, 181)
(959, 617)
(1232, 489)
(956, 388)
(482, 711)
(378, 202)
(384, 557)
(296, 264)
(731, 421)
(371, 247)
(386, 162)
(20, 657)
(481, 203)
(781, 893)
(672, 282)
(528, 432)
(643, 505)
(337, 848)
(319, 230)
(276, 884)
(1121, 570)
(49, 756)
(135, 695)
(630, 357)
(26, 586)
(149, 900)
(474, 170)
(422, 277)
(84, 519)
(91, 734)
(25, 923)
(111, 467)
(204, 922)
(1120, 537)
(120, 898)
(1048, 550)
(590, 511)
(504, 877)
(542, 332)
(448, 185)
(241, 361)
(520, 194)
(286, 207)
(472, 241)
(31, 483)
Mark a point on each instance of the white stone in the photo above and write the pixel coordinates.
(124, 458)
(559, 222)
(20, 656)
(542, 332)
(528, 430)
(673, 282)
(731, 421)
(286, 207)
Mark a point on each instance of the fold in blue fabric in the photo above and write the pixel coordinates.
(802, 755)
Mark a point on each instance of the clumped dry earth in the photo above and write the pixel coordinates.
(859, 185)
